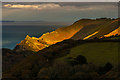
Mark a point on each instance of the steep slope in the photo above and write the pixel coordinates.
(47, 39)
(31, 43)
(115, 32)
(81, 29)
(91, 28)
(98, 29)
(108, 28)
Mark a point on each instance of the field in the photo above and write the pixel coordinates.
(97, 53)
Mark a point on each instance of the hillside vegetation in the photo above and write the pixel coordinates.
(69, 59)
(85, 50)
(98, 53)
(81, 29)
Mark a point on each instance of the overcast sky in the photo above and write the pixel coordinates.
(57, 12)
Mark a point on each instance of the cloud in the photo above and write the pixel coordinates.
(35, 6)
(60, 6)
(57, 11)
(60, 1)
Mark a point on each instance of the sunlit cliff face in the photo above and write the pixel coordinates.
(32, 43)
(60, 34)
(49, 38)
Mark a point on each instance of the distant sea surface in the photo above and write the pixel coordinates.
(13, 34)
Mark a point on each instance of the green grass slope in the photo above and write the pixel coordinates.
(98, 53)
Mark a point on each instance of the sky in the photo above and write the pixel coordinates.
(57, 11)
(60, 0)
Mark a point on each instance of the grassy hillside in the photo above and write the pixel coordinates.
(54, 62)
(101, 26)
(96, 52)
(92, 27)
(81, 29)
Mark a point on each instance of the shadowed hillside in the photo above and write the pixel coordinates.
(69, 59)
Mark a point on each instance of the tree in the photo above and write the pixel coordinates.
(108, 66)
(81, 59)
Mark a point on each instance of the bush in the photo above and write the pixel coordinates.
(57, 71)
(81, 76)
(81, 60)
(43, 73)
(107, 67)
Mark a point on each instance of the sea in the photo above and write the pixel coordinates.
(13, 33)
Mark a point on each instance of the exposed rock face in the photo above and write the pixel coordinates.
(47, 39)
(82, 29)
(32, 43)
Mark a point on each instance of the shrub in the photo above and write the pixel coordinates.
(81, 60)
(81, 76)
(107, 67)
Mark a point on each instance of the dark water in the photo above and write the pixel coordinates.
(13, 34)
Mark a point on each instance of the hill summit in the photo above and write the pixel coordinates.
(81, 29)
